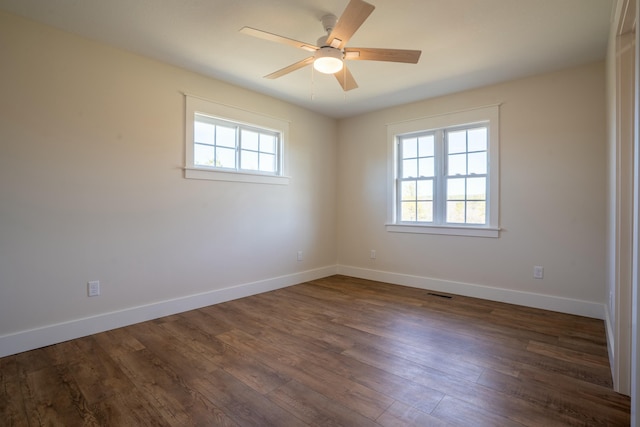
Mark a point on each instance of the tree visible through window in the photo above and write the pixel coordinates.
(466, 175)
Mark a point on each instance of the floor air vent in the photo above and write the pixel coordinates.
(439, 295)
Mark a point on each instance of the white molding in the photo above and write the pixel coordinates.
(217, 175)
(52, 334)
(529, 299)
(611, 339)
(447, 230)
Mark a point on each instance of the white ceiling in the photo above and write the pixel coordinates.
(464, 43)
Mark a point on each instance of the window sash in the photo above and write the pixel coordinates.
(474, 210)
(240, 151)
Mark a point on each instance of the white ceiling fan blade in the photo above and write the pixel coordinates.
(346, 80)
(390, 55)
(352, 18)
(278, 39)
(290, 68)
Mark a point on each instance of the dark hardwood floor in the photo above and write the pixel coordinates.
(335, 351)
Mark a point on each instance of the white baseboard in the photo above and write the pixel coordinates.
(528, 299)
(611, 341)
(52, 334)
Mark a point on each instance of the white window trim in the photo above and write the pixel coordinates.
(485, 114)
(199, 105)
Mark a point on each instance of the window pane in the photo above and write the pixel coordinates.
(425, 146)
(267, 162)
(444, 173)
(457, 141)
(476, 189)
(204, 132)
(457, 164)
(478, 163)
(249, 160)
(225, 157)
(455, 212)
(408, 189)
(425, 211)
(267, 143)
(203, 155)
(410, 168)
(249, 140)
(425, 167)
(476, 212)
(456, 189)
(408, 211)
(409, 148)
(225, 136)
(478, 139)
(425, 190)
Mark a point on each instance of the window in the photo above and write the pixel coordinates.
(445, 174)
(230, 144)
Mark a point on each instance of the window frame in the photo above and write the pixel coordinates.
(439, 125)
(244, 120)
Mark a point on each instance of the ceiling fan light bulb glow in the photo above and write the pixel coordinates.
(328, 60)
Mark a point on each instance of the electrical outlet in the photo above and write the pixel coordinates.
(372, 254)
(300, 256)
(538, 272)
(93, 288)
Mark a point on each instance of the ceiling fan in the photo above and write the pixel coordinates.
(330, 51)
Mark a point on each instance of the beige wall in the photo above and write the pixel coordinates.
(92, 186)
(552, 198)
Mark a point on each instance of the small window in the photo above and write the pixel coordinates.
(232, 146)
(445, 175)
(229, 144)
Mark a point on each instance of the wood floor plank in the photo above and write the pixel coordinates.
(302, 366)
(12, 407)
(332, 351)
(402, 389)
(54, 397)
(170, 395)
(315, 408)
(97, 375)
(567, 406)
(243, 404)
(461, 413)
(402, 415)
(571, 386)
(129, 408)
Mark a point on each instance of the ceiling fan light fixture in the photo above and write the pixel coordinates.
(328, 60)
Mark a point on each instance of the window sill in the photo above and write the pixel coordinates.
(445, 230)
(216, 175)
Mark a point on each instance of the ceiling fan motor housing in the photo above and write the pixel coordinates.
(328, 60)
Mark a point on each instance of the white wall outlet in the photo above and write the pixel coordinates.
(93, 288)
(538, 272)
(300, 256)
(372, 254)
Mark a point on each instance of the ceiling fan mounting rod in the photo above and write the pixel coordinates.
(329, 22)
